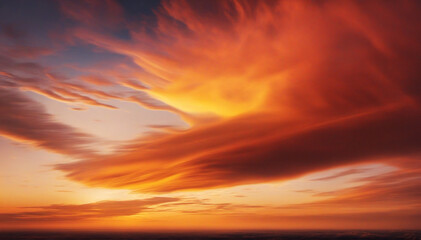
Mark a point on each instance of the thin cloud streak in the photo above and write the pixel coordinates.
(97, 210)
(341, 174)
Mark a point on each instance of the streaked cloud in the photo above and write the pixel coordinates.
(341, 174)
(97, 210)
(24, 120)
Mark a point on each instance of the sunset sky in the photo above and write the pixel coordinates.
(202, 115)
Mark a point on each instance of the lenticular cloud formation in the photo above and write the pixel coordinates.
(272, 90)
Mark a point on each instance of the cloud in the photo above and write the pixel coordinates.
(389, 200)
(27, 51)
(94, 13)
(31, 76)
(96, 80)
(24, 120)
(252, 152)
(15, 43)
(295, 87)
(97, 210)
(341, 174)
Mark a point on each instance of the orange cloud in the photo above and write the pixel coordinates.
(96, 80)
(97, 210)
(387, 195)
(296, 87)
(251, 152)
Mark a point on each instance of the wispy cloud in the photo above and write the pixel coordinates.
(24, 120)
(395, 191)
(97, 210)
(341, 174)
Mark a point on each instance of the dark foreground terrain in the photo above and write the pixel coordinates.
(267, 235)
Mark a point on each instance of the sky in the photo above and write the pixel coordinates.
(210, 115)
